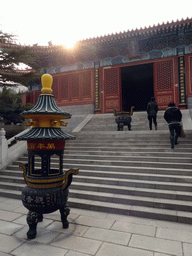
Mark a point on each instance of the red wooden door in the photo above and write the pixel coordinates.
(112, 91)
(163, 83)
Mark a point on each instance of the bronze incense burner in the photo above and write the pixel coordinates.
(47, 183)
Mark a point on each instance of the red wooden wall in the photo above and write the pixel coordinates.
(75, 88)
(165, 86)
(112, 89)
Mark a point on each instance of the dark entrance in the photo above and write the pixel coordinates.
(137, 86)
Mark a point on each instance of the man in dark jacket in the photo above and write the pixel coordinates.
(173, 117)
(152, 109)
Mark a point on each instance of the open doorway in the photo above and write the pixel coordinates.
(137, 86)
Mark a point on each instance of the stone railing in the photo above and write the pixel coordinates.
(10, 149)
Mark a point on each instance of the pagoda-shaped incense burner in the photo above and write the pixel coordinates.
(47, 184)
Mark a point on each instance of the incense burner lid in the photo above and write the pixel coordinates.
(45, 134)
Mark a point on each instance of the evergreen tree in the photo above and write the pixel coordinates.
(11, 55)
(11, 106)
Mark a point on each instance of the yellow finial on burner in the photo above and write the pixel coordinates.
(46, 81)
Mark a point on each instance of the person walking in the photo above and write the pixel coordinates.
(152, 109)
(173, 116)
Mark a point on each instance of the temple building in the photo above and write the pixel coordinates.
(123, 70)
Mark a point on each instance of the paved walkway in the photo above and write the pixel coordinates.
(90, 233)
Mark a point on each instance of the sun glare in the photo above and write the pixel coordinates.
(69, 43)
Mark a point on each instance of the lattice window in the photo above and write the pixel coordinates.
(75, 85)
(191, 72)
(86, 84)
(55, 87)
(111, 81)
(64, 87)
(164, 75)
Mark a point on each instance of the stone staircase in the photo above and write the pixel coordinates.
(130, 172)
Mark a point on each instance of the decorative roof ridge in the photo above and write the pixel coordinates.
(135, 31)
(104, 38)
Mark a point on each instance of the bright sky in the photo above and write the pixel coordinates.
(67, 21)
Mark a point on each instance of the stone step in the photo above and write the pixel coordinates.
(127, 140)
(125, 144)
(12, 173)
(120, 163)
(135, 183)
(149, 183)
(140, 144)
(137, 176)
(131, 172)
(132, 200)
(177, 148)
(14, 179)
(84, 185)
(123, 169)
(138, 171)
(12, 185)
(129, 158)
(109, 192)
(155, 149)
(135, 191)
(126, 209)
(113, 134)
(158, 182)
(111, 174)
(128, 135)
(110, 153)
(105, 157)
(137, 211)
(131, 153)
(16, 194)
(123, 204)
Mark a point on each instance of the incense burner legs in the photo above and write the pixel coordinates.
(64, 211)
(43, 201)
(122, 121)
(33, 218)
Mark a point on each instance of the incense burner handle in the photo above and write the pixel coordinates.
(68, 178)
(24, 167)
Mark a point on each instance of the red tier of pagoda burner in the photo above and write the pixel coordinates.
(46, 145)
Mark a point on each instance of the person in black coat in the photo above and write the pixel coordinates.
(173, 116)
(152, 109)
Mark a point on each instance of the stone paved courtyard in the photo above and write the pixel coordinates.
(91, 233)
